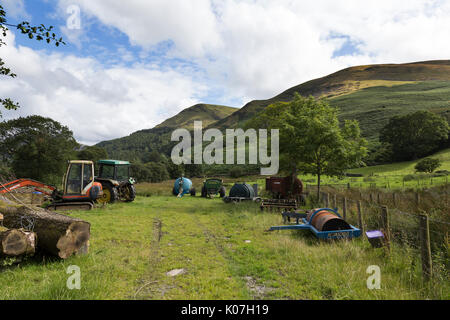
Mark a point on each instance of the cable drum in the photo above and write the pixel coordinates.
(327, 221)
(242, 190)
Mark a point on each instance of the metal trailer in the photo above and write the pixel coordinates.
(240, 199)
(350, 232)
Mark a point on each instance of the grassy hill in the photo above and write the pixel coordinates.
(207, 113)
(371, 94)
(352, 80)
(138, 144)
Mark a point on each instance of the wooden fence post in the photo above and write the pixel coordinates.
(335, 201)
(327, 200)
(386, 227)
(371, 197)
(425, 248)
(360, 218)
(378, 198)
(394, 199)
(417, 198)
(344, 207)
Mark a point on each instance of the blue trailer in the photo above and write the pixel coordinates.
(343, 229)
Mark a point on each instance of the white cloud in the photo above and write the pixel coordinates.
(249, 49)
(15, 9)
(257, 48)
(97, 103)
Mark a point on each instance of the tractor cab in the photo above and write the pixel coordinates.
(116, 180)
(80, 190)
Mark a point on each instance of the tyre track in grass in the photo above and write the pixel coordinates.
(146, 284)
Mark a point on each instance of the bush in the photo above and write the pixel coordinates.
(428, 165)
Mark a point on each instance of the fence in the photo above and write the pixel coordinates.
(419, 219)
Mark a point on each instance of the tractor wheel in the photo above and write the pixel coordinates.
(129, 193)
(192, 192)
(110, 194)
(222, 191)
(204, 192)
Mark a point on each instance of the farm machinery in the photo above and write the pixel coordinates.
(117, 184)
(287, 193)
(183, 186)
(212, 187)
(324, 223)
(80, 190)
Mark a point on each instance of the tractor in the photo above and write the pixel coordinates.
(212, 187)
(80, 190)
(114, 176)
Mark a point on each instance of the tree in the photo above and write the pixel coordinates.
(311, 140)
(39, 33)
(415, 135)
(93, 153)
(428, 165)
(37, 147)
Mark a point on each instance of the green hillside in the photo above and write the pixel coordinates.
(207, 113)
(348, 81)
(373, 107)
(138, 145)
(371, 94)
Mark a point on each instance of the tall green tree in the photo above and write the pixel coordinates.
(311, 140)
(37, 147)
(415, 135)
(93, 153)
(39, 33)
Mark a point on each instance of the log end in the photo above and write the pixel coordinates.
(75, 241)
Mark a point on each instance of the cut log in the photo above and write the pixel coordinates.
(58, 234)
(17, 242)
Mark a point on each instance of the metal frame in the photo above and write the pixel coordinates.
(353, 232)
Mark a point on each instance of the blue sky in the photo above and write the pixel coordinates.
(133, 64)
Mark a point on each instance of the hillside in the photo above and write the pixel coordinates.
(371, 94)
(139, 144)
(207, 113)
(352, 80)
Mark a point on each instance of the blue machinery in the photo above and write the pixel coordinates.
(321, 223)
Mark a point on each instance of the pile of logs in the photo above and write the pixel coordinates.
(24, 229)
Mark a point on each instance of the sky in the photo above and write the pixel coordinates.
(129, 65)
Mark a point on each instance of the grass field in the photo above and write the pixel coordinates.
(225, 253)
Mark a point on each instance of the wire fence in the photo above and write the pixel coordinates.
(419, 220)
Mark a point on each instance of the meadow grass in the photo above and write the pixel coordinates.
(225, 252)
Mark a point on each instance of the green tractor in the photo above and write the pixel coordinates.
(212, 187)
(114, 175)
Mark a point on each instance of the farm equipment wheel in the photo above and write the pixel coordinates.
(222, 191)
(129, 193)
(110, 194)
(192, 192)
(204, 192)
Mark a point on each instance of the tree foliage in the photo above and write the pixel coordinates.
(428, 165)
(415, 135)
(37, 147)
(311, 139)
(93, 153)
